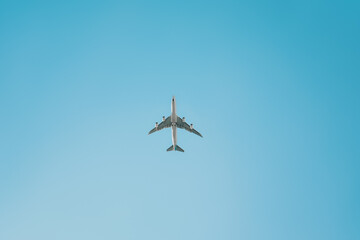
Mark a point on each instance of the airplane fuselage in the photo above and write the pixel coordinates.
(173, 121)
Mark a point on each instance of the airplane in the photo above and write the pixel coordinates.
(174, 122)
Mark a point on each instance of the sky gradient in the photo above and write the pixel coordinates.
(272, 86)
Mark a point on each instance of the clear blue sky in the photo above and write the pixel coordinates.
(272, 85)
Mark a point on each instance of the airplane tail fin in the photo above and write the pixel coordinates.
(177, 148)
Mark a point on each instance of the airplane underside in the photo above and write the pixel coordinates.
(174, 122)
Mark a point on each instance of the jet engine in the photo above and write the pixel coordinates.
(163, 118)
(156, 124)
(191, 126)
(183, 119)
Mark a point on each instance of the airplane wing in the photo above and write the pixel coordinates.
(184, 125)
(162, 125)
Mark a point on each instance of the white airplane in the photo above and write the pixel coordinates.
(174, 121)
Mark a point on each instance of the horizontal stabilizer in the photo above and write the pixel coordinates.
(177, 148)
